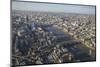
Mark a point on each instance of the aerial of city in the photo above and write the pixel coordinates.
(52, 37)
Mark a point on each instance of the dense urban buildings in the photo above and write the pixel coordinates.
(49, 38)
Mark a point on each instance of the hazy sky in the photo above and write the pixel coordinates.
(53, 7)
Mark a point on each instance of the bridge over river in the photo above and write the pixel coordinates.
(69, 43)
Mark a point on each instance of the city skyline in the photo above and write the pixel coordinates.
(43, 34)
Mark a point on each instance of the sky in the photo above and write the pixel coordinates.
(47, 7)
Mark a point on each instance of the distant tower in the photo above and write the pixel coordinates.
(70, 57)
(90, 52)
(27, 19)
